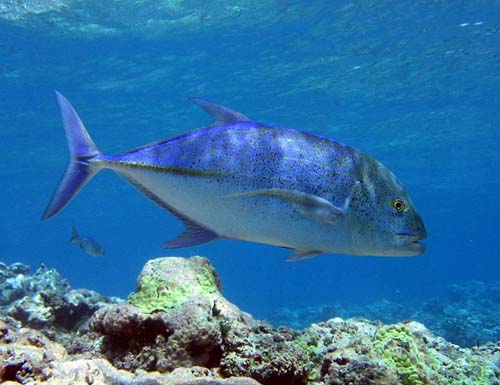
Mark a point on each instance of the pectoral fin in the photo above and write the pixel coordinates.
(309, 205)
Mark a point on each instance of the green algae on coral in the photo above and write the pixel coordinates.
(417, 364)
(207, 281)
(400, 351)
(309, 345)
(157, 293)
(154, 295)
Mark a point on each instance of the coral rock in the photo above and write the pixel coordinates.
(46, 302)
(179, 318)
(29, 357)
(178, 329)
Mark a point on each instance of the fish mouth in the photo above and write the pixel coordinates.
(410, 242)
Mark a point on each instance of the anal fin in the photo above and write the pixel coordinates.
(300, 255)
(192, 235)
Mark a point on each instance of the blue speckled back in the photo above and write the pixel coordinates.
(258, 156)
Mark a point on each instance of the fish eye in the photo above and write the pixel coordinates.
(398, 205)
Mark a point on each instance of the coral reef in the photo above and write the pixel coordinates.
(179, 318)
(46, 302)
(357, 352)
(468, 316)
(177, 328)
(28, 356)
(382, 310)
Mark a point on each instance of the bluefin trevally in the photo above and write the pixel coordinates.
(239, 179)
(88, 244)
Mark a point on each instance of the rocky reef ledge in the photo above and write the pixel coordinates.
(177, 328)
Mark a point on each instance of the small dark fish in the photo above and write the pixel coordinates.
(87, 244)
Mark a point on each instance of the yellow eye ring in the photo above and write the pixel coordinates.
(398, 205)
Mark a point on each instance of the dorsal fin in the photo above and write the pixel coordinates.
(222, 115)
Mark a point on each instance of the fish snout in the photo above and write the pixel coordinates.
(409, 241)
(421, 227)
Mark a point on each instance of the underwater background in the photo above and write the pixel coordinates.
(413, 84)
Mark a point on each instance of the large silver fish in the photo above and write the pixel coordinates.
(238, 179)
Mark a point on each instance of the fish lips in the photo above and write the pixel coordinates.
(410, 242)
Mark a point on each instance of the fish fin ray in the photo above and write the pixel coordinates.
(221, 115)
(194, 234)
(301, 255)
(74, 236)
(310, 205)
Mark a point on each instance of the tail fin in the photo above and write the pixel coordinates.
(81, 150)
(74, 236)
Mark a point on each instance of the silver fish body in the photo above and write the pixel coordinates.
(238, 179)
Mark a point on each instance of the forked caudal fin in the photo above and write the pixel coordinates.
(82, 151)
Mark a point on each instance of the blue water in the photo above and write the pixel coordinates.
(414, 84)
